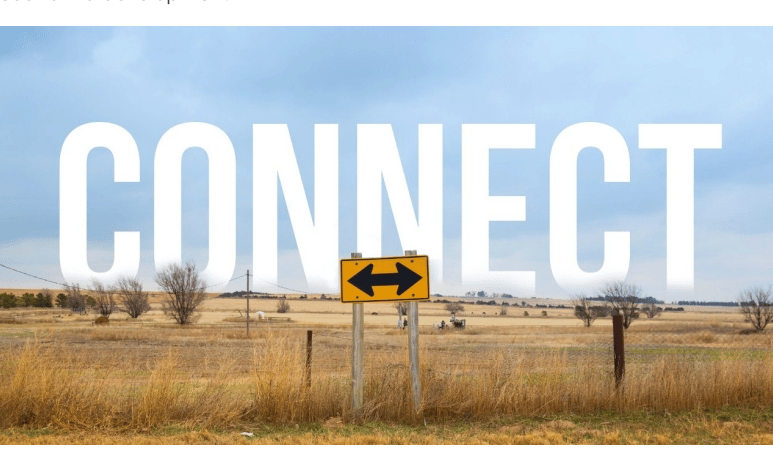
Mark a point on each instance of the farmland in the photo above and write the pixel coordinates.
(691, 377)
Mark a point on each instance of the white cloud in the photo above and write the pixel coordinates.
(120, 52)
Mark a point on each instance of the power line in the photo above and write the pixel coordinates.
(221, 283)
(90, 290)
(282, 287)
(32, 275)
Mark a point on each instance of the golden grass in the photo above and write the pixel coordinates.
(57, 387)
(719, 427)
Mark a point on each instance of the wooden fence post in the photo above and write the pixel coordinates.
(619, 349)
(358, 338)
(413, 348)
(308, 358)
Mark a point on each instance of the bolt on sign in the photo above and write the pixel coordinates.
(389, 279)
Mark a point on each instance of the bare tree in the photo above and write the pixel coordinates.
(402, 308)
(454, 307)
(184, 289)
(651, 310)
(583, 311)
(756, 306)
(75, 299)
(282, 306)
(503, 309)
(104, 297)
(131, 296)
(624, 300)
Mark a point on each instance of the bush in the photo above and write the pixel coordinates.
(756, 306)
(282, 306)
(7, 300)
(184, 289)
(131, 295)
(454, 307)
(525, 313)
(544, 312)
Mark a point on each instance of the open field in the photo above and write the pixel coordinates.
(499, 381)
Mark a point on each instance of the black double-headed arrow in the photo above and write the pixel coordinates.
(365, 280)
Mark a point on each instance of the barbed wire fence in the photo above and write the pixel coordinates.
(694, 335)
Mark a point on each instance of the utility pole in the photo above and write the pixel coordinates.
(248, 303)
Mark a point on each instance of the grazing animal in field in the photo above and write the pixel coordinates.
(260, 315)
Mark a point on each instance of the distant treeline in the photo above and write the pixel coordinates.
(267, 296)
(694, 303)
(41, 300)
(651, 300)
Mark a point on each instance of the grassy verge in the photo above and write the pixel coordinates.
(723, 426)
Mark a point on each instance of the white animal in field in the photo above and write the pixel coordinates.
(437, 325)
(261, 316)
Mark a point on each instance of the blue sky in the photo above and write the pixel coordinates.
(150, 79)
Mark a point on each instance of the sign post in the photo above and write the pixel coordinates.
(413, 347)
(358, 337)
(388, 279)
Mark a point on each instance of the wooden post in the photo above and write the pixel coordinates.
(358, 338)
(619, 349)
(308, 358)
(248, 303)
(413, 348)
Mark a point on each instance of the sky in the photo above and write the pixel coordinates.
(148, 80)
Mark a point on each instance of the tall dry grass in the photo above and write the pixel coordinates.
(50, 387)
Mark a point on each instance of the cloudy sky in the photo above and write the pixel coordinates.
(148, 80)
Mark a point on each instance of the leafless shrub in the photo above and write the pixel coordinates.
(131, 296)
(756, 306)
(104, 298)
(503, 310)
(624, 300)
(76, 301)
(184, 289)
(402, 308)
(651, 310)
(282, 306)
(582, 310)
(455, 307)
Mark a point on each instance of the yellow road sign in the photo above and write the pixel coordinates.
(390, 279)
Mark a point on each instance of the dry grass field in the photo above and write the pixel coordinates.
(691, 376)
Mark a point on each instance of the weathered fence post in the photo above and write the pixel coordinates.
(619, 348)
(248, 303)
(413, 348)
(308, 358)
(358, 337)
